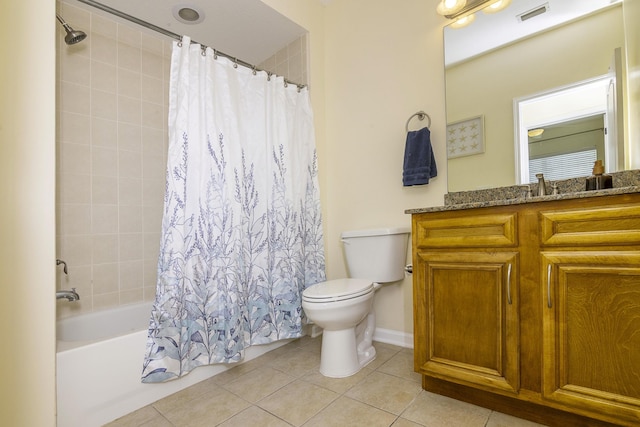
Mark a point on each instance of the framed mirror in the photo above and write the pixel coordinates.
(532, 48)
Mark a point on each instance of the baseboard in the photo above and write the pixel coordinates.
(388, 336)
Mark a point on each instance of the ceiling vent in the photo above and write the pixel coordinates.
(533, 12)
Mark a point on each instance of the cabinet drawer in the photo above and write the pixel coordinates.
(612, 225)
(495, 230)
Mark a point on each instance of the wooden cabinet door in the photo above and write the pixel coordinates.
(591, 332)
(467, 318)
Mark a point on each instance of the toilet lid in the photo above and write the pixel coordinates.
(334, 290)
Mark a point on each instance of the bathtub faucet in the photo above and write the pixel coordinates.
(71, 295)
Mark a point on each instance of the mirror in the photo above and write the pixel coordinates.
(487, 74)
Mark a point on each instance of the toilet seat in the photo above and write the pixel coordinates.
(337, 290)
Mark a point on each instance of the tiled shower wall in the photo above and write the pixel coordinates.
(112, 104)
(111, 148)
(290, 61)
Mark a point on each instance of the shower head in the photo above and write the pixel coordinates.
(72, 36)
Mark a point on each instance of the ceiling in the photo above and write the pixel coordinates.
(490, 31)
(252, 31)
(246, 29)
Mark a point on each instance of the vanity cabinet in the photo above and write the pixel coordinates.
(591, 319)
(469, 291)
(532, 309)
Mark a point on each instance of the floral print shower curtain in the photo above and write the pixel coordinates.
(242, 229)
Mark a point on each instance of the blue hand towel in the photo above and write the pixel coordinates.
(419, 161)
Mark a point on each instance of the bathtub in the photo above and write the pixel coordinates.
(99, 362)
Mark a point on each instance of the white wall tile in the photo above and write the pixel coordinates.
(105, 248)
(104, 219)
(104, 190)
(104, 133)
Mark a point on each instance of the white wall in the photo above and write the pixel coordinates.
(380, 62)
(27, 217)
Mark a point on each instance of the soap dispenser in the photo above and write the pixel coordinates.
(599, 180)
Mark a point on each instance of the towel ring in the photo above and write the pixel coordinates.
(421, 115)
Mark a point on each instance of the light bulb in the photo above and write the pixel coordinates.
(464, 21)
(448, 7)
(497, 6)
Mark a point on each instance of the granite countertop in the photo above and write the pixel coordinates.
(626, 182)
(522, 200)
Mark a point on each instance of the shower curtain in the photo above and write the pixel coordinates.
(242, 230)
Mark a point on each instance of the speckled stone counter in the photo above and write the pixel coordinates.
(625, 182)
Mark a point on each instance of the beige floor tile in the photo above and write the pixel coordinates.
(258, 383)
(235, 372)
(439, 411)
(184, 396)
(147, 416)
(308, 343)
(384, 352)
(497, 419)
(203, 411)
(348, 412)
(387, 346)
(297, 362)
(244, 367)
(339, 385)
(401, 365)
(401, 422)
(298, 401)
(287, 389)
(254, 416)
(386, 392)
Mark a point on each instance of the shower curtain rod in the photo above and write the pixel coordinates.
(178, 37)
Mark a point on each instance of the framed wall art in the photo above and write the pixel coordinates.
(465, 138)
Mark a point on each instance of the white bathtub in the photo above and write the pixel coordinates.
(99, 362)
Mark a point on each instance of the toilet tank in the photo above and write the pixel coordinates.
(378, 255)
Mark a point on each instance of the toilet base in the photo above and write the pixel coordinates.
(345, 352)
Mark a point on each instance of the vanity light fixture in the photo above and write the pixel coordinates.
(533, 133)
(450, 7)
(497, 6)
(453, 9)
(464, 21)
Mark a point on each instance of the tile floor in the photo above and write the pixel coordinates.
(284, 388)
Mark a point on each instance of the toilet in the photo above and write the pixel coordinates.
(343, 308)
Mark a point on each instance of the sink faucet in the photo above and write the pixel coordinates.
(71, 295)
(542, 189)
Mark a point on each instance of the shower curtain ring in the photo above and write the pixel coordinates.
(215, 54)
(203, 50)
(254, 70)
(235, 62)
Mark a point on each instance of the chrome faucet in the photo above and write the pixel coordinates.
(542, 189)
(71, 295)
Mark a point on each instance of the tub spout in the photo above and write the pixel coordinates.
(71, 295)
